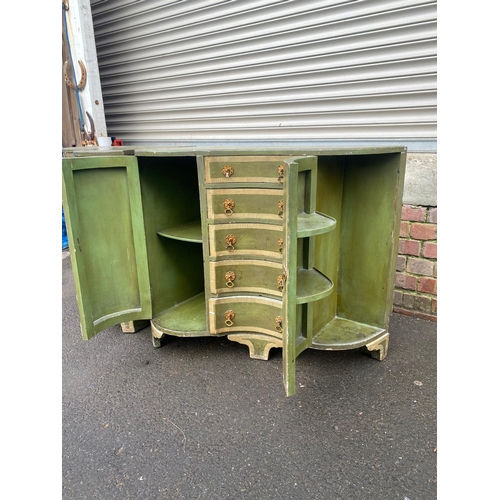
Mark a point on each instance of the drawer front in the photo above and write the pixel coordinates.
(234, 204)
(248, 314)
(231, 169)
(246, 276)
(264, 240)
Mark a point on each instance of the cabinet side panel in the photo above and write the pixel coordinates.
(106, 241)
(326, 255)
(368, 237)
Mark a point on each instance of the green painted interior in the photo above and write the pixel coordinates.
(345, 334)
(327, 246)
(169, 187)
(367, 238)
(190, 231)
(312, 285)
(187, 319)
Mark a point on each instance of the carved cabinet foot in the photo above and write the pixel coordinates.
(134, 326)
(156, 341)
(378, 348)
(258, 345)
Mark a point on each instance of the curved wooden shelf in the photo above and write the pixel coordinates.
(314, 224)
(187, 319)
(312, 285)
(343, 334)
(186, 232)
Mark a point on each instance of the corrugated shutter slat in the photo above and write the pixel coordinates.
(268, 70)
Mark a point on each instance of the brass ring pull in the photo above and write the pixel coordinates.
(228, 206)
(280, 245)
(230, 277)
(281, 170)
(280, 209)
(280, 282)
(229, 316)
(279, 324)
(230, 242)
(227, 171)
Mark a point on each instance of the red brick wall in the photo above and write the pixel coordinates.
(416, 270)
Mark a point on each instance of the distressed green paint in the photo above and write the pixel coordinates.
(191, 232)
(141, 224)
(251, 240)
(170, 196)
(345, 334)
(326, 255)
(244, 169)
(312, 285)
(250, 277)
(249, 204)
(367, 238)
(187, 319)
(103, 210)
(250, 314)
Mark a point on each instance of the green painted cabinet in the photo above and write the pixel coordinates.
(273, 249)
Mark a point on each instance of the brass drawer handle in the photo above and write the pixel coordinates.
(228, 206)
(279, 324)
(229, 315)
(281, 280)
(230, 242)
(281, 170)
(280, 245)
(280, 209)
(227, 171)
(230, 277)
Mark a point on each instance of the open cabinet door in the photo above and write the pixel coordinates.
(104, 219)
(299, 198)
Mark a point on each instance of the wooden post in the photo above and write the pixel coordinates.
(82, 44)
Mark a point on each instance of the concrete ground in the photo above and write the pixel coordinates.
(199, 419)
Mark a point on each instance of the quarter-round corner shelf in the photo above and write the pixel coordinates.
(187, 319)
(186, 232)
(314, 224)
(344, 334)
(312, 285)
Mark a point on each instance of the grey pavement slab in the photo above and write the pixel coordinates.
(199, 419)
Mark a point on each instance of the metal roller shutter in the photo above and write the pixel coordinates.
(269, 71)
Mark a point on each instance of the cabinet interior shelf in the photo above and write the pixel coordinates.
(312, 285)
(187, 319)
(314, 224)
(185, 232)
(342, 333)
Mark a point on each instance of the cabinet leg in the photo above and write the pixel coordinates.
(156, 341)
(378, 348)
(258, 345)
(134, 326)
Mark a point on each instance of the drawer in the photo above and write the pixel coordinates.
(234, 204)
(231, 169)
(246, 276)
(248, 314)
(240, 239)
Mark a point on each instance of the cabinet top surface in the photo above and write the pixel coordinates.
(195, 151)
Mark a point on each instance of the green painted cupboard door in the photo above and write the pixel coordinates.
(295, 340)
(104, 219)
